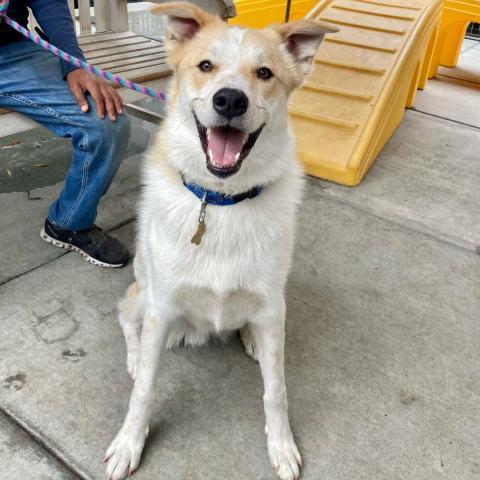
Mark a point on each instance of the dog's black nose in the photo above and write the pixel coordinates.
(230, 103)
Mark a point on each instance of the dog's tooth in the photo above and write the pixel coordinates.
(237, 156)
(210, 154)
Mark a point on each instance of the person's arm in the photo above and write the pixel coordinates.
(56, 22)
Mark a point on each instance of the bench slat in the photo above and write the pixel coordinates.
(84, 16)
(104, 37)
(98, 55)
(144, 63)
(114, 44)
(104, 60)
(149, 73)
(157, 58)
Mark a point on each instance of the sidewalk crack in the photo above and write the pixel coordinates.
(62, 254)
(413, 109)
(39, 442)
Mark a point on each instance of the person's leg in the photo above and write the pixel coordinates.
(31, 83)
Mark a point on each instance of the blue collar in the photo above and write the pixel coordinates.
(217, 198)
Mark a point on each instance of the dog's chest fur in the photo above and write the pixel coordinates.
(243, 258)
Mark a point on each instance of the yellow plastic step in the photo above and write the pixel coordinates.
(260, 13)
(362, 79)
(455, 19)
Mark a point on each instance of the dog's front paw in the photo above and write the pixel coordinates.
(285, 458)
(123, 455)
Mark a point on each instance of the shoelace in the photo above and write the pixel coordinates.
(96, 235)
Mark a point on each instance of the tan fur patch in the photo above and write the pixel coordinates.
(267, 42)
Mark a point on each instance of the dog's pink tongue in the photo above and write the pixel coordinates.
(224, 144)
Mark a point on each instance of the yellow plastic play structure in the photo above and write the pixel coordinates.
(363, 77)
(455, 19)
(260, 13)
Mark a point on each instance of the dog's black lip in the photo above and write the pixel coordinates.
(226, 171)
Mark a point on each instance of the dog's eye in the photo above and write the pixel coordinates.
(264, 73)
(205, 66)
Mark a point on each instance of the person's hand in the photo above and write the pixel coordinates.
(106, 97)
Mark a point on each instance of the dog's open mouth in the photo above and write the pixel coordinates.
(225, 147)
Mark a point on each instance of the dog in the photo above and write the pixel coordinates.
(217, 214)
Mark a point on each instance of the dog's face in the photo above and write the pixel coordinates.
(232, 83)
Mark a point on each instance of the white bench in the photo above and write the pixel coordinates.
(104, 38)
(107, 43)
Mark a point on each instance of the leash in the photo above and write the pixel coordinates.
(123, 82)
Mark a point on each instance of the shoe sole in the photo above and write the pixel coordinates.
(68, 246)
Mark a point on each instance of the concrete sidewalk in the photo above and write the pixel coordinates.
(383, 340)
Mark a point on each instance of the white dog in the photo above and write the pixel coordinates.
(217, 216)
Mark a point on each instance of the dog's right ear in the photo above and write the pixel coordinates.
(301, 40)
(184, 20)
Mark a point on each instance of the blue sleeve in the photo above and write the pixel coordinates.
(56, 22)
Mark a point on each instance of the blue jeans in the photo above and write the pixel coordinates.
(31, 83)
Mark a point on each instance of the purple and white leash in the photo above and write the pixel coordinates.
(74, 60)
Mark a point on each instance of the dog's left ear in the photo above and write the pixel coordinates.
(302, 39)
(184, 20)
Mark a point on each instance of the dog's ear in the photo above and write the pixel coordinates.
(301, 39)
(184, 20)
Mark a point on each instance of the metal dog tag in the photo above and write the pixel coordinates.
(197, 238)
